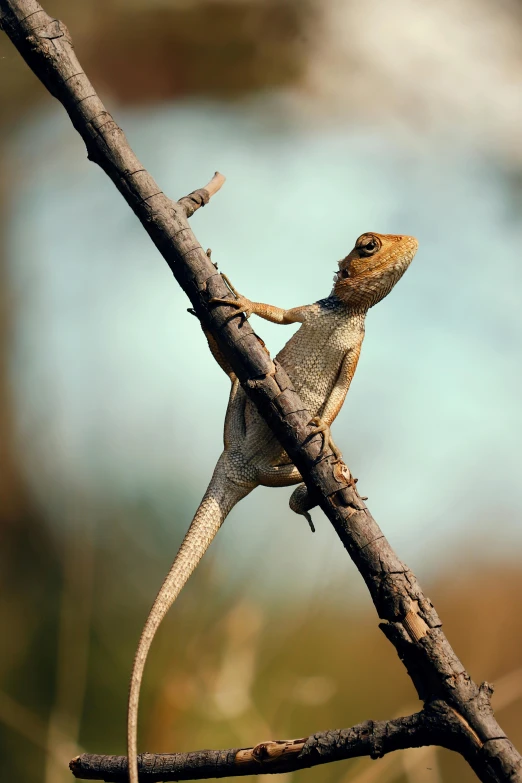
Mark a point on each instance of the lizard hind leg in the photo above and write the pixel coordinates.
(235, 429)
(300, 502)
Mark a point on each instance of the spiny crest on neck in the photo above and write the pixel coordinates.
(371, 269)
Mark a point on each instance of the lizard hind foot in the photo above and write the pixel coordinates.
(322, 428)
(300, 503)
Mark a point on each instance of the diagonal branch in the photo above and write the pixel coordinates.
(371, 738)
(409, 619)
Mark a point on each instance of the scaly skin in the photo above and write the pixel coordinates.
(320, 359)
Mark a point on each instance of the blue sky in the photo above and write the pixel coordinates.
(120, 400)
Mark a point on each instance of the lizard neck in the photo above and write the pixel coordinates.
(350, 307)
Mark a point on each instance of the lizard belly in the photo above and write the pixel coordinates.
(314, 355)
(312, 358)
(313, 375)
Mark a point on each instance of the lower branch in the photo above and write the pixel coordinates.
(371, 738)
(437, 724)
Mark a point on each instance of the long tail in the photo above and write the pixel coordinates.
(220, 497)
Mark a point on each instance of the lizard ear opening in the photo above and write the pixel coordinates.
(345, 270)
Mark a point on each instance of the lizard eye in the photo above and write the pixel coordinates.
(369, 245)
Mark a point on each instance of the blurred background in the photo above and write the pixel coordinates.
(329, 118)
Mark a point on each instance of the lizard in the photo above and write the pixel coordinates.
(320, 359)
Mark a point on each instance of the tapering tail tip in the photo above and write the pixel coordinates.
(220, 497)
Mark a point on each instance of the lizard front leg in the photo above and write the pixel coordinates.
(276, 315)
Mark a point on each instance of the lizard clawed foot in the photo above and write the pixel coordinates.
(321, 428)
(309, 519)
(300, 503)
(241, 303)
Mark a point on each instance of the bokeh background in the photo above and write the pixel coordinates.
(329, 118)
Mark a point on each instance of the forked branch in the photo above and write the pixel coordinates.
(371, 738)
(409, 619)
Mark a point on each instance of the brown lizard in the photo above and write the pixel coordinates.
(320, 359)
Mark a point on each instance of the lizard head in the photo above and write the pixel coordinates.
(371, 269)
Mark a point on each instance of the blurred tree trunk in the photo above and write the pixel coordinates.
(148, 51)
(13, 496)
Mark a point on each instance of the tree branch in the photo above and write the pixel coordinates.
(371, 738)
(198, 198)
(409, 618)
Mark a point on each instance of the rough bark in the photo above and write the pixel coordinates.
(409, 619)
(371, 738)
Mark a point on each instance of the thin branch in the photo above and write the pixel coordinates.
(198, 198)
(215, 184)
(410, 621)
(371, 738)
